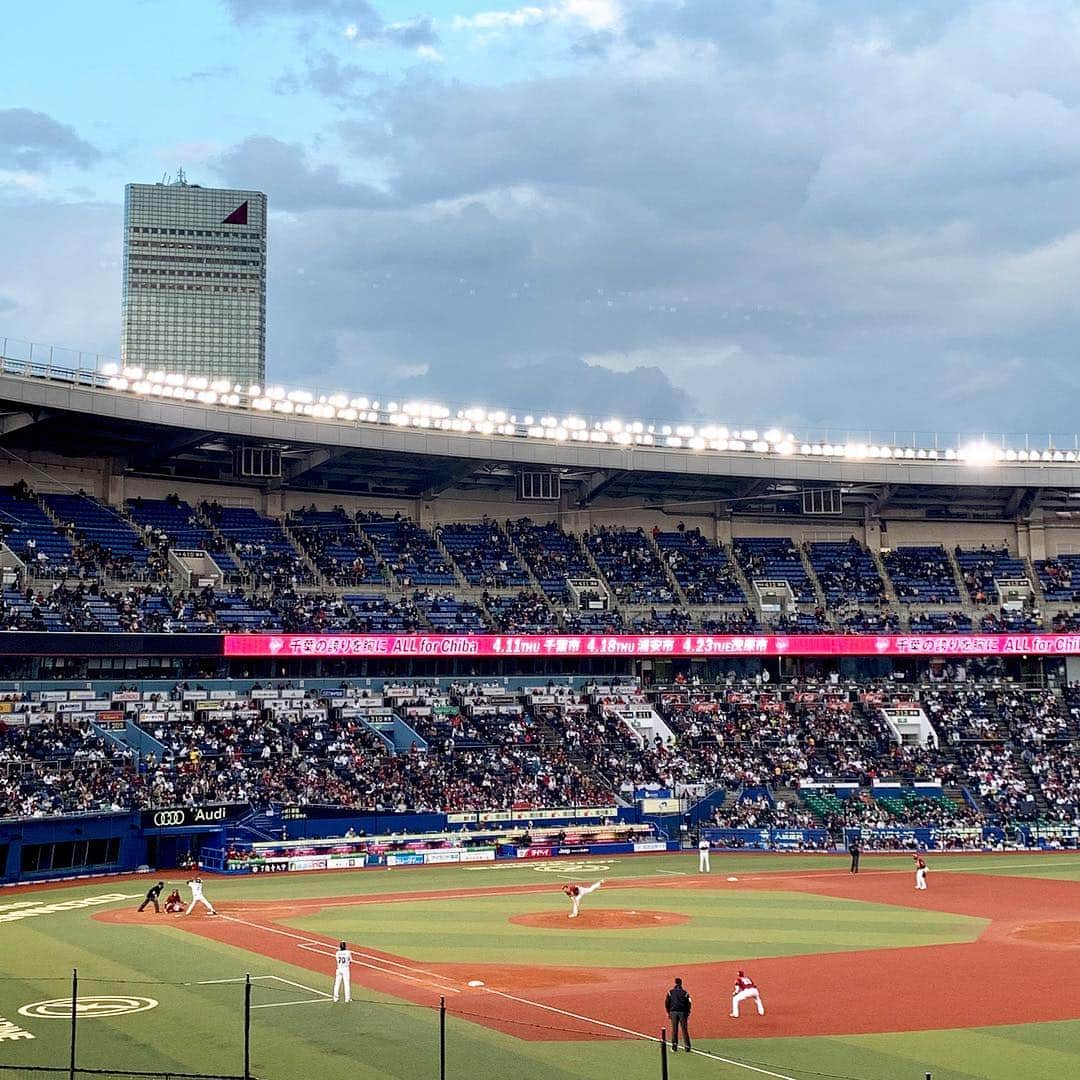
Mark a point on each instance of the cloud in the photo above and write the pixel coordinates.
(356, 12)
(819, 214)
(327, 75)
(266, 163)
(77, 244)
(410, 34)
(32, 141)
(210, 74)
(596, 15)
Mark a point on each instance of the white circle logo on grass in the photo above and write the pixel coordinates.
(564, 867)
(87, 1008)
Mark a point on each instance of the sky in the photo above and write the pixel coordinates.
(859, 217)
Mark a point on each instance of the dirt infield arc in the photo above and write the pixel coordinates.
(1021, 970)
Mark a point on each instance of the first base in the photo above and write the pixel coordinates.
(733, 879)
(475, 982)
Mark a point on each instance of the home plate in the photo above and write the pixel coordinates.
(733, 879)
(475, 982)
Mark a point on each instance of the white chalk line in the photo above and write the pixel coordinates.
(631, 1031)
(321, 999)
(323, 949)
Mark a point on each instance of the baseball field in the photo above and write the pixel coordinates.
(861, 976)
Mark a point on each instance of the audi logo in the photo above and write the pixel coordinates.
(164, 818)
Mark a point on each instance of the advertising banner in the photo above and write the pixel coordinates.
(190, 817)
(405, 858)
(630, 645)
(443, 855)
(534, 853)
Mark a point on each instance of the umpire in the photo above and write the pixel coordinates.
(677, 1004)
(152, 895)
(854, 851)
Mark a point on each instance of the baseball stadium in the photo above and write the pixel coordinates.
(396, 688)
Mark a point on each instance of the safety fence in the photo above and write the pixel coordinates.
(446, 1060)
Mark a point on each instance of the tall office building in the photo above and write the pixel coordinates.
(195, 281)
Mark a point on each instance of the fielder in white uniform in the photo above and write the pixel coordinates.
(576, 892)
(920, 872)
(703, 856)
(745, 990)
(195, 885)
(343, 961)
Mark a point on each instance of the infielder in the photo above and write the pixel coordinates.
(745, 990)
(195, 885)
(920, 871)
(576, 892)
(343, 962)
(703, 856)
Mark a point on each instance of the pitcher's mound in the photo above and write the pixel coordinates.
(600, 920)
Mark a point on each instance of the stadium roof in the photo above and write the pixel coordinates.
(388, 451)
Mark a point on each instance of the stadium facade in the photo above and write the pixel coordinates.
(194, 284)
(319, 561)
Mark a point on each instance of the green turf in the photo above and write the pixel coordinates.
(722, 926)
(199, 1027)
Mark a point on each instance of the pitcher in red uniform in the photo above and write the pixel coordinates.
(576, 892)
(745, 990)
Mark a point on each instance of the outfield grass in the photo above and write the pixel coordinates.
(198, 1027)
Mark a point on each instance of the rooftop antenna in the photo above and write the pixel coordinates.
(181, 177)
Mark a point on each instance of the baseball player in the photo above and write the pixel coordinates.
(745, 990)
(920, 871)
(152, 895)
(343, 963)
(703, 856)
(576, 892)
(195, 885)
(173, 904)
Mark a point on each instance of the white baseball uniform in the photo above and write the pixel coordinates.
(920, 874)
(745, 990)
(582, 890)
(703, 856)
(198, 898)
(343, 960)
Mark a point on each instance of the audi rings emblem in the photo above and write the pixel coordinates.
(164, 818)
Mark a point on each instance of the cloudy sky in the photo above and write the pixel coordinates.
(860, 216)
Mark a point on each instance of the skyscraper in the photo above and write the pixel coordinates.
(195, 281)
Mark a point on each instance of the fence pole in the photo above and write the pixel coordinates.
(247, 1026)
(442, 1038)
(663, 1053)
(74, 1016)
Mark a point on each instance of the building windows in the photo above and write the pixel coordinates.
(194, 291)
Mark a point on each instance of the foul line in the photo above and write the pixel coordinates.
(322, 998)
(322, 947)
(637, 1034)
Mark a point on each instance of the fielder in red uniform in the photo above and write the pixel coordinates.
(920, 871)
(745, 990)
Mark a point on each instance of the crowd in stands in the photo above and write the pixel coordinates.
(1012, 752)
